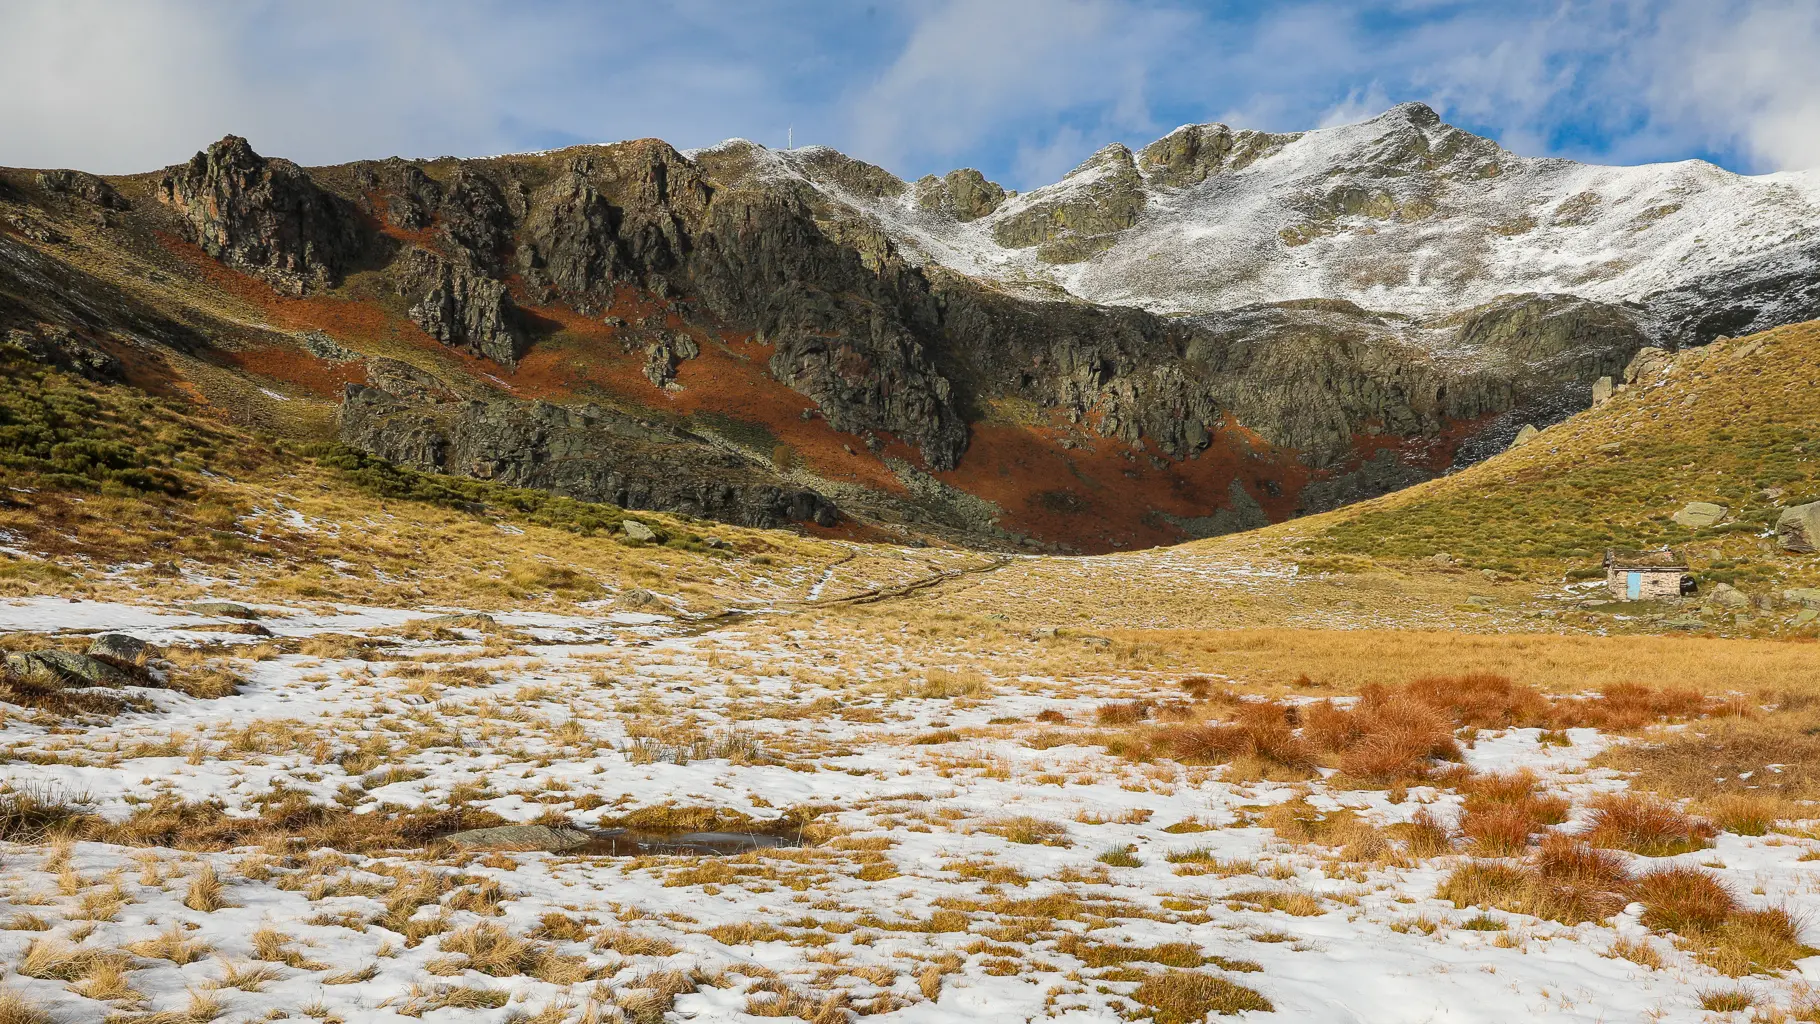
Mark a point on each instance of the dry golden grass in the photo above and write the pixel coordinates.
(1727, 757)
(1186, 997)
(1025, 829)
(1347, 660)
(171, 944)
(16, 1009)
(205, 892)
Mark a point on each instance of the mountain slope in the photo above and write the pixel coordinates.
(1730, 424)
(765, 338)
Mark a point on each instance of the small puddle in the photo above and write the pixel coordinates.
(623, 843)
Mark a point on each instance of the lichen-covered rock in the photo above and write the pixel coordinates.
(1193, 153)
(64, 668)
(263, 216)
(1699, 514)
(223, 609)
(119, 649)
(1647, 364)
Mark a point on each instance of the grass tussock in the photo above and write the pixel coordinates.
(1572, 882)
(1646, 825)
(1184, 997)
(1028, 830)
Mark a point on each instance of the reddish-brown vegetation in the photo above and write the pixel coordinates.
(1645, 825)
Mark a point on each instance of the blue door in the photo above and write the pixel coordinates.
(1633, 584)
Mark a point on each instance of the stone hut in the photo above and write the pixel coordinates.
(1646, 575)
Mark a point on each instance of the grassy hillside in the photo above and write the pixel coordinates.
(106, 490)
(1737, 423)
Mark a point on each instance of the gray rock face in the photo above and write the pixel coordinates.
(464, 310)
(588, 453)
(520, 837)
(667, 353)
(1798, 528)
(265, 216)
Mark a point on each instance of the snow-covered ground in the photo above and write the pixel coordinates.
(911, 899)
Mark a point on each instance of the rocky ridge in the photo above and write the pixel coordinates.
(867, 303)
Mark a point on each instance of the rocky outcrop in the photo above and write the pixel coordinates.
(964, 194)
(620, 215)
(848, 335)
(84, 186)
(1106, 196)
(1192, 153)
(462, 309)
(58, 346)
(588, 453)
(665, 354)
(264, 216)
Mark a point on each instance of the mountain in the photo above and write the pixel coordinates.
(1402, 213)
(1222, 330)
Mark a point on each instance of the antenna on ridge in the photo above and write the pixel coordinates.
(791, 144)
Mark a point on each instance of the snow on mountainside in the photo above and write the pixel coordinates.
(1401, 213)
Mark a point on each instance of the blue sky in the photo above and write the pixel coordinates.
(1023, 89)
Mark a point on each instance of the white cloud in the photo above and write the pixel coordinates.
(1023, 88)
(973, 70)
(1358, 105)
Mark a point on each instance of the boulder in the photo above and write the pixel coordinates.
(1601, 391)
(1806, 597)
(120, 649)
(1646, 364)
(520, 837)
(636, 530)
(638, 599)
(1524, 436)
(1699, 514)
(1798, 528)
(1727, 596)
(222, 609)
(64, 669)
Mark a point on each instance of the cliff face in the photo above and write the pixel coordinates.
(645, 292)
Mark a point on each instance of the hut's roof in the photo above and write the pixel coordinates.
(1665, 559)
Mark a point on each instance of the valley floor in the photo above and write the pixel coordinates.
(945, 835)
